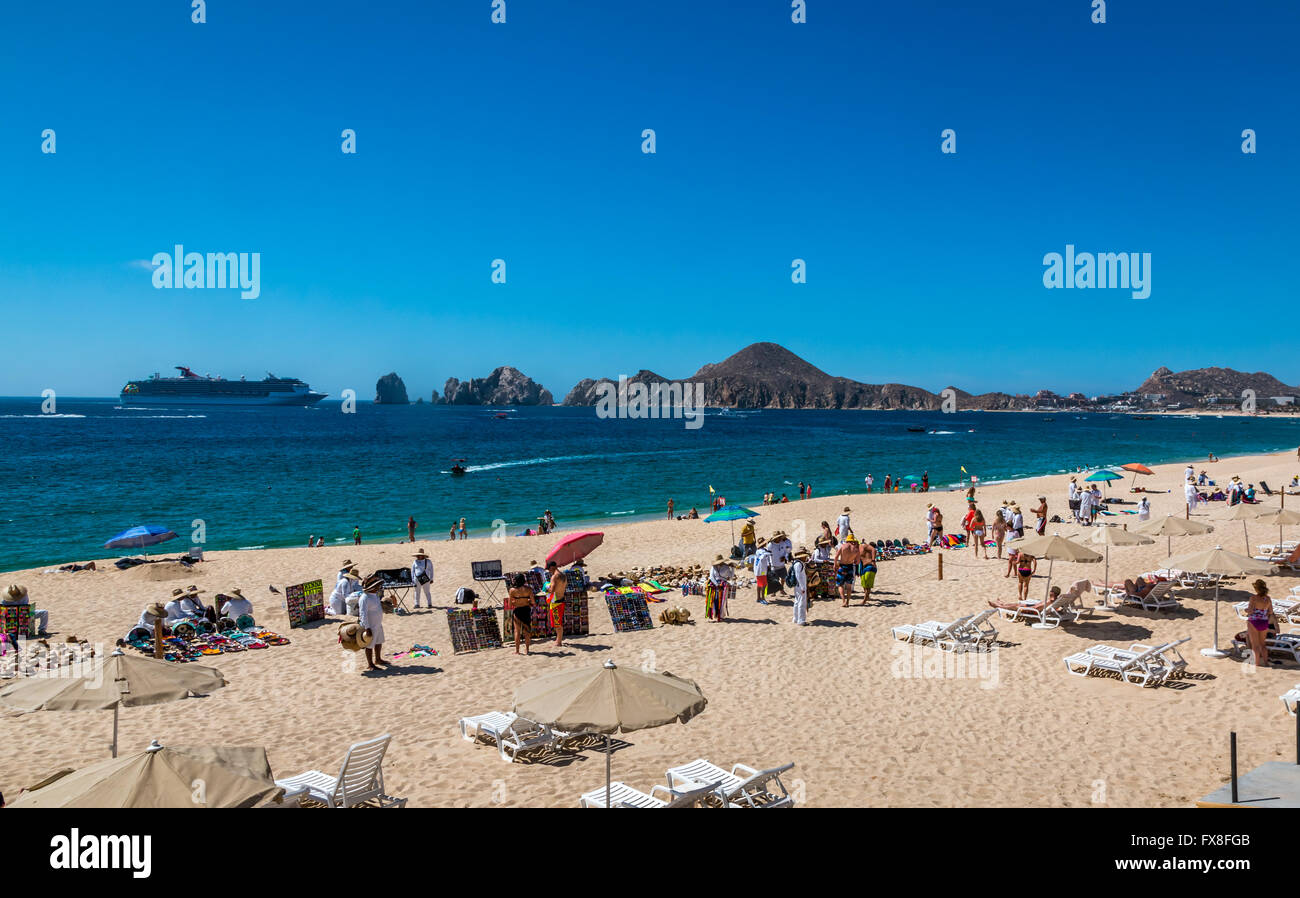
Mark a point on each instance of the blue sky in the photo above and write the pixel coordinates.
(522, 141)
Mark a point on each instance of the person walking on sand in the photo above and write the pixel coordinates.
(867, 570)
(1040, 525)
(1017, 522)
(925, 481)
(718, 588)
(1260, 617)
(887, 484)
(670, 508)
(803, 490)
(461, 532)
(410, 528)
(555, 600)
(1026, 565)
(370, 610)
(800, 571)
(520, 602)
(936, 527)
(422, 577)
(999, 533)
(356, 535)
(1144, 509)
(842, 525)
(870, 481)
(846, 565)
(978, 528)
(762, 569)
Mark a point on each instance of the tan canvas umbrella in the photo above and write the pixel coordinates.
(1113, 536)
(111, 682)
(608, 699)
(1056, 548)
(1171, 526)
(1279, 516)
(1222, 562)
(158, 777)
(1244, 513)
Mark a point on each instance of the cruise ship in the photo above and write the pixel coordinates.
(193, 389)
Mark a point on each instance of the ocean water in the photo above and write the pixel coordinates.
(270, 477)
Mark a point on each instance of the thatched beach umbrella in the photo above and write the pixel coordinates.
(112, 682)
(1223, 563)
(1056, 548)
(158, 777)
(608, 699)
(1113, 536)
(1171, 526)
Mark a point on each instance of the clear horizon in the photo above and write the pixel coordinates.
(775, 142)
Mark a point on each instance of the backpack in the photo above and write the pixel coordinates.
(790, 579)
(465, 596)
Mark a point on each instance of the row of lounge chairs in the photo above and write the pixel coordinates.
(966, 633)
(702, 784)
(1144, 665)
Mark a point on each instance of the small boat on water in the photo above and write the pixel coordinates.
(458, 468)
(916, 430)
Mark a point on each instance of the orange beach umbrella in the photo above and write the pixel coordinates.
(1137, 469)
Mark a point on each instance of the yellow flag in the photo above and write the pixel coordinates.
(710, 490)
(963, 469)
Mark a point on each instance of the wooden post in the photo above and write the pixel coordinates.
(157, 637)
(1233, 742)
(941, 565)
(1187, 511)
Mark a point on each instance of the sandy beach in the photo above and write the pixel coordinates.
(866, 720)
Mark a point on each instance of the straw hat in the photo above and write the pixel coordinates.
(760, 543)
(847, 509)
(420, 554)
(193, 591)
(156, 609)
(718, 559)
(235, 592)
(16, 591)
(352, 574)
(347, 562)
(823, 541)
(352, 636)
(177, 593)
(802, 553)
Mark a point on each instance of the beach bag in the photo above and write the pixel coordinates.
(423, 578)
(737, 552)
(466, 596)
(790, 579)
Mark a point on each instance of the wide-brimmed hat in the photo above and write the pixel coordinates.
(352, 636)
(846, 508)
(372, 580)
(177, 593)
(823, 541)
(801, 552)
(718, 559)
(421, 554)
(156, 609)
(16, 591)
(192, 590)
(235, 592)
(347, 562)
(760, 542)
(780, 534)
(352, 574)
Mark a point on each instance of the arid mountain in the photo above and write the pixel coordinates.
(587, 391)
(1193, 387)
(504, 386)
(389, 390)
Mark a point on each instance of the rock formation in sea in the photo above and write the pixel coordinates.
(504, 386)
(389, 390)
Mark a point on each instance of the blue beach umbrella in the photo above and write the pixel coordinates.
(139, 537)
(731, 513)
(1104, 476)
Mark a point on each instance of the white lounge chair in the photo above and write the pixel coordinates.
(1286, 609)
(1141, 664)
(743, 787)
(966, 632)
(360, 779)
(1160, 598)
(1291, 698)
(622, 795)
(1283, 645)
(470, 727)
(1048, 613)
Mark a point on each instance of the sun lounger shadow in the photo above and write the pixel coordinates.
(1110, 630)
(399, 669)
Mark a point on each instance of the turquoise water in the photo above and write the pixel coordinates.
(269, 477)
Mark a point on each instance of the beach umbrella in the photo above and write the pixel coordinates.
(1279, 516)
(1103, 476)
(731, 513)
(158, 777)
(608, 699)
(1137, 469)
(574, 547)
(1244, 513)
(1113, 536)
(1171, 526)
(113, 682)
(139, 537)
(1056, 548)
(1221, 562)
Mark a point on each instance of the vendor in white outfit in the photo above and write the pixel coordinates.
(343, 571)
(842, 528)
(236, 605)
(16, 594)
(153, 612)
(1144, 509)
(422, 577)
(192, 605)
(349, 583)
(801, 587)
(721, 571)
(371, 609)
(1189, 493)
(175, 611)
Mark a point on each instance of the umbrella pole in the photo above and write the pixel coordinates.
(1215, 652)
(1106, 582)
(607, 763)
(1246, 536)
(115, 708)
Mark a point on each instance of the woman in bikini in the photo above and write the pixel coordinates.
(977, 534)
(1260, 616)
(1026, 564)
(520, 600)
(999, 533)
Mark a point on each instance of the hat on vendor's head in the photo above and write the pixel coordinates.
(235, 592)
(352, 574)
(760, 542)
(420, 554)
(192, 590)
(16, 591)
(156, 609)
(718, 559)
(347, 562)
(802, 553)
(846, 508)
(823, 541)
(177, 593)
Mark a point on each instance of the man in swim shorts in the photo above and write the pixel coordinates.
(846, 563)
(555, 599)
(867, 570)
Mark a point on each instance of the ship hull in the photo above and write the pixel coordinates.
(271, 399)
